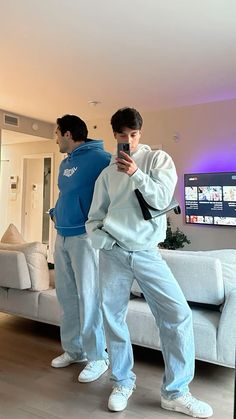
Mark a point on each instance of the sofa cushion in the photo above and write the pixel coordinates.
(51, 278)
(142, 325)
(14, 272)
(136, 290)
(49, 308)
(12, 235)
(205, 326)
(23, 303)
(35, 255)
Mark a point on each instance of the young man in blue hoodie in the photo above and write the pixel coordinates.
(128, 250)
(76, 261)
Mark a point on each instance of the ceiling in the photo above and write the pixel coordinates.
(57, 55)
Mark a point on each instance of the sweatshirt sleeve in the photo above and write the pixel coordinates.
(157, 187)
(97, 213)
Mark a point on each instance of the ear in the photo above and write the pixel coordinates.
(68, 135)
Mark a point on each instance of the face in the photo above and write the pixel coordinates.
(63, 141)
(128, 135)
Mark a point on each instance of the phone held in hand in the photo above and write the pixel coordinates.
(123, 147)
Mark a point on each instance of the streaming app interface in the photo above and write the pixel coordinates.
(210, 198)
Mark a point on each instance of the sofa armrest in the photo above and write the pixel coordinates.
(14, 271)
(227, 331)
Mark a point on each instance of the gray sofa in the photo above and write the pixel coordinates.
(208, 280)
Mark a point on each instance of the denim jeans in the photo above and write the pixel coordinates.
(118, 268)
(77, 287)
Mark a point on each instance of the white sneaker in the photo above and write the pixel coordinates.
(93, 371)
(119, 398)
(189, 405)
(65, 359)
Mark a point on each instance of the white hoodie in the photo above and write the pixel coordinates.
(115, 216)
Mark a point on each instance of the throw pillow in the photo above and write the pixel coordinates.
(12, 235)
(35, 255)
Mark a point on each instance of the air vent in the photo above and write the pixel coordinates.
(11, 120)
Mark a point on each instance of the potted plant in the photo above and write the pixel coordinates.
(174, 239)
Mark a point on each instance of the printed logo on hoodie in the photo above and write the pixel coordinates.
(69, 172)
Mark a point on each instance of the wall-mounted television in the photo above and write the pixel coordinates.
(210, 198)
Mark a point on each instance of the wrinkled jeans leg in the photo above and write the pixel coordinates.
(77, 286)
(85, 266)
(173, 317)
(115, 281)
(66, 290)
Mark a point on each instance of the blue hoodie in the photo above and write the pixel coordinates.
(77, 175)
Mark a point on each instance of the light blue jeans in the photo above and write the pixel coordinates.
(118, 268)
(77, 287)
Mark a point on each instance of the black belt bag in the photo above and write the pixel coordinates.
(150, 212)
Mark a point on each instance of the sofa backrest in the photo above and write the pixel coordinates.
(199, 276)
(227, 258)
(14, 272)
(205, 277)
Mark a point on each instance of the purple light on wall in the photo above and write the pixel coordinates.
(215, 161)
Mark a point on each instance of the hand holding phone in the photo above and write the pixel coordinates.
(123, 147)
(127, 164)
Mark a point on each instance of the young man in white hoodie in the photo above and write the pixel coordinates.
(128, 250)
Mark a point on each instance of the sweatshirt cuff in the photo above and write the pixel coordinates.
(137, 177)
(51, 213)
(102, 241)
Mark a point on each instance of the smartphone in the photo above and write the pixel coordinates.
(123, 147)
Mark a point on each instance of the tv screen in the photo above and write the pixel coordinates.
(210, 198)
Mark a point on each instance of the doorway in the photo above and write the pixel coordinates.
(37, 187)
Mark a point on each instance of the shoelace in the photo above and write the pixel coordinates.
(122, 390)
(66, 357)
(91, 364)
(190, 401)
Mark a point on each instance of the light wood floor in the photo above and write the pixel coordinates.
(31, 389)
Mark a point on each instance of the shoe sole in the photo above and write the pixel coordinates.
(68, 363)
(117, 409)
(123, 407)
(84, 380)
(179, 410)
